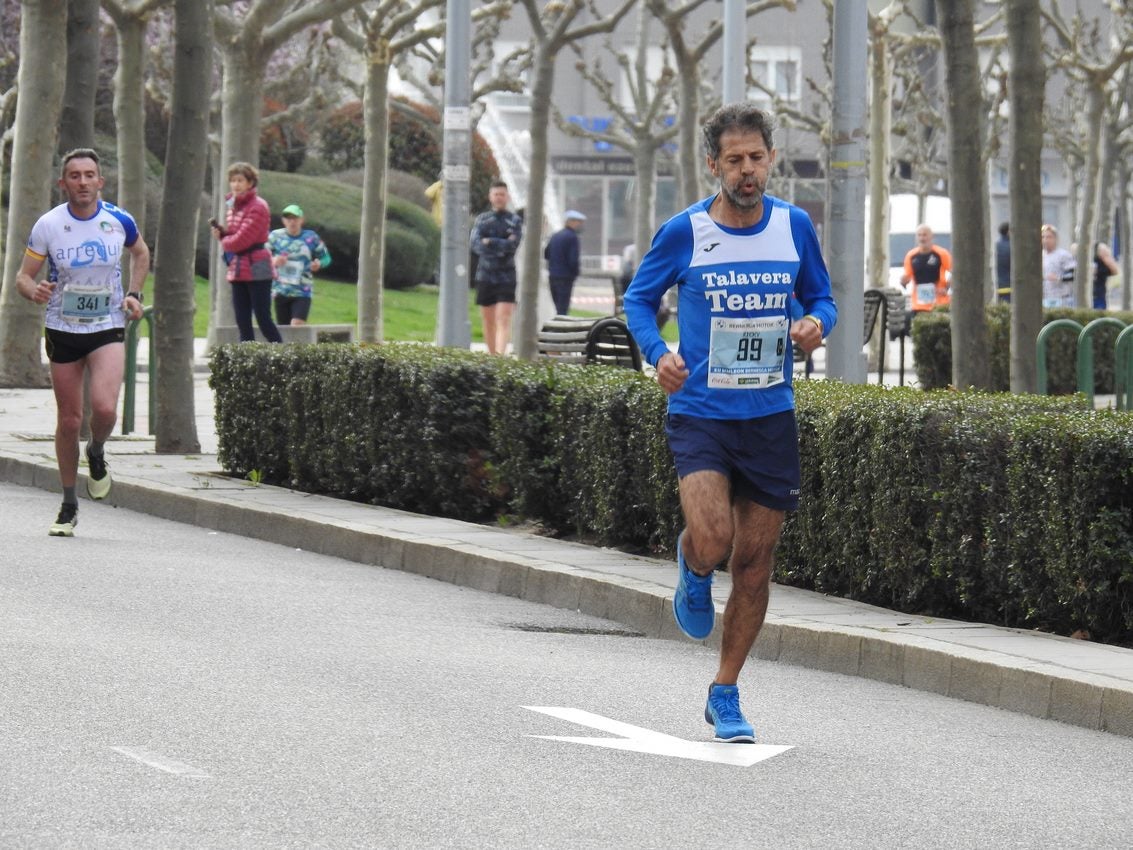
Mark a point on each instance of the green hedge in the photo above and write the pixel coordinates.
(989, 507)
(932, 349)
(451, 433)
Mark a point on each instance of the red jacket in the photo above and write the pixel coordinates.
(247, 227)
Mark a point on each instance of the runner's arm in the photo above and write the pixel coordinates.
(657, 272)
(813, 284)
(26, 283)
(139, 265)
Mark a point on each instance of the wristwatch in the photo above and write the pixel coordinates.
(137, 296)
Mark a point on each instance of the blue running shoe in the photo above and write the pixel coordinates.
(692, 603)
(723, 712)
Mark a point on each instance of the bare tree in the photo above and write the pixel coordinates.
(1026, 90)
(689, 59)
(1122, 126)
(967, 189)
(39, 103)
(882, 60)
(186, 158)
(383, 32)
(552, 30)
(131, 17)
(76, 124)
(642, 128)
(1092, 52)
(487, 72)
(9, 62)
(248, 33)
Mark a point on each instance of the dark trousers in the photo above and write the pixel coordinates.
(560, 293)
(250, 297)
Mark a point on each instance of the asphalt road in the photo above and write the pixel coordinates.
(164, 686)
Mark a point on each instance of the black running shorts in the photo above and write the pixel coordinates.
(64, 347)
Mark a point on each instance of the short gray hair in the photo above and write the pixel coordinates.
(736, 116)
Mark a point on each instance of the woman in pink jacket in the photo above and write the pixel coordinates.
(243, 239)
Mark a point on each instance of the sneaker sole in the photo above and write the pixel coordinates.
(99, 489)
(56, 531)
(738, 739)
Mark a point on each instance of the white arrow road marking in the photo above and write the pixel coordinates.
(639, 740)
(162, 763)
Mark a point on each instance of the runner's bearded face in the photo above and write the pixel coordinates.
(743, 168)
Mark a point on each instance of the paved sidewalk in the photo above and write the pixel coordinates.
(1073, 681)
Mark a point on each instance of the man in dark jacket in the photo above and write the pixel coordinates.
(495, 239)
(1003, 263)
(562, 255)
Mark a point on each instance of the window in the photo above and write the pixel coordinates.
(777, 70)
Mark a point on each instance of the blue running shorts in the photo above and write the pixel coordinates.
(759, 456)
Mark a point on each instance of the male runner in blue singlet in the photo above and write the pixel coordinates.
(736, 259)
(82, 242)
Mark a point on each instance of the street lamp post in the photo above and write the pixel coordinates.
(453, 328)
(845, 246)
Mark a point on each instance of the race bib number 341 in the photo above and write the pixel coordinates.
(747, 353)
(84, 305)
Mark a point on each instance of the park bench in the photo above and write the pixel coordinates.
(586, 342)
(876, 304)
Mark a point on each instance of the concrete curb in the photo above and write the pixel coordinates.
(620, 587)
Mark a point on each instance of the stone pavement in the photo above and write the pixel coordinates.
(1073, 681)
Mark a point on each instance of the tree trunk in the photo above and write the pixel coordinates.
(645, 146)
(129, 116)
(690, 158)
(76, 124)
(880, 129)
(241, 109)
(246, 46)
(1107, 170)
(242, 104)
(1125, 230)
(967, 187)
(371, 250)
(1026, 86)
(645, 173)
(1088, 217)
(41, 79)
(527, 310)
(186, 158)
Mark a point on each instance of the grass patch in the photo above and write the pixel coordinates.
(409, 315)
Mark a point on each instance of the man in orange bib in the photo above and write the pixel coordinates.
(929, 268)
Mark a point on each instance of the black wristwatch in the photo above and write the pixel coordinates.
(136, 295)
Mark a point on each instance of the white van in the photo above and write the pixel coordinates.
(903, 221)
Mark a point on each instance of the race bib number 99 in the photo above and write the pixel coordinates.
(747, 353)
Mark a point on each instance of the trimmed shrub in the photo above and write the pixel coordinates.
(932, 349)
(1015, 510)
